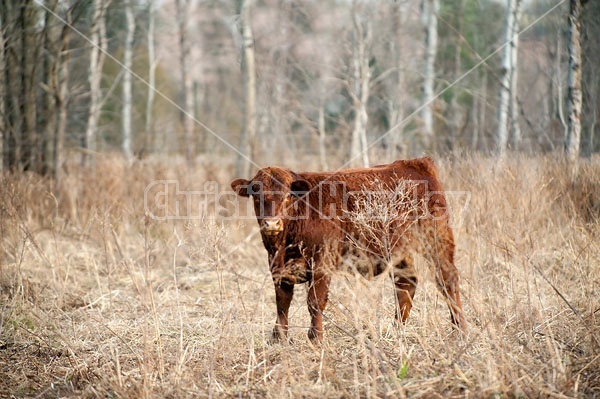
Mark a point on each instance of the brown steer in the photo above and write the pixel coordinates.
(313, 223)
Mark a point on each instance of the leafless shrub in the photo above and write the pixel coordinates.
(381, 217)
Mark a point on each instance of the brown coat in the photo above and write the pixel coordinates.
(372, 220)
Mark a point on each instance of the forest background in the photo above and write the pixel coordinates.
(101, 99)
(343, 82)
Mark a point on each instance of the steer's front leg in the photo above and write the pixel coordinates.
(283, 296)
(318, 292)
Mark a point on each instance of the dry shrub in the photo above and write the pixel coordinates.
(98, 299)
(582, 193)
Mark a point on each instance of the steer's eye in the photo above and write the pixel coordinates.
(254, 189)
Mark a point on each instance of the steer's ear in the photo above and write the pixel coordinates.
(240, 186)
(300, 187)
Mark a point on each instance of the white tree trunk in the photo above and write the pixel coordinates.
(151, 76)
(396, 95)
(97, 55)
(127, 85)
(359, 154)
(430, 11)
(183, 10)
(574, 97)
(515, 129)
(506, 95)
(249, 76)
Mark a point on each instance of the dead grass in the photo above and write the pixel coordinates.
(97, 299)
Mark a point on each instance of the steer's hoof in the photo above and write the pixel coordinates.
(278, 337)
(275, 339)
(315, 336)
(461, 329)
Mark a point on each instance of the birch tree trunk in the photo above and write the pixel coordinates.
(574, 97)
(515, 129)
(183, 9)
(97, 55)
(396, 100)
(149, 130)
(127, 85)
(248, 138)
(430, 11)
(359, 154)
(506, 95)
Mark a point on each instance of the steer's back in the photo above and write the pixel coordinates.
(349, 203)
(340, 188)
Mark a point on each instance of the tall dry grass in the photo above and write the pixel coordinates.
(98, 299)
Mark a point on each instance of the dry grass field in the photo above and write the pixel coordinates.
(97, 299)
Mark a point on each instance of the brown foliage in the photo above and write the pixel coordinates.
(104, 302)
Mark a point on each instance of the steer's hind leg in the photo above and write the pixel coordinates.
(447, 278)
(447, 281)
(405, 283)
(283, 297)
(318, 291)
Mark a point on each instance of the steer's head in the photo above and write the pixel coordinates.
(274, 191)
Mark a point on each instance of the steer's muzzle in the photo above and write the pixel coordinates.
(272, 226)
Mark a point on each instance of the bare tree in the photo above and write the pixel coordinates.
(395, 102)
(183, 11)
(556, 81)
(48, 120)
(151, 74)
(248, 138)
(97, 56)
(26, 22)
(454, 112)
(361, 79)
(507, 94)
(430, 11)
(55, 69)
(479, 112)
(33, 99)
(574, 98)
(2, 93)
(63, 99)
(515, 129)
(127, 85)
(13, 139)
(590, 74)
(22, 140)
